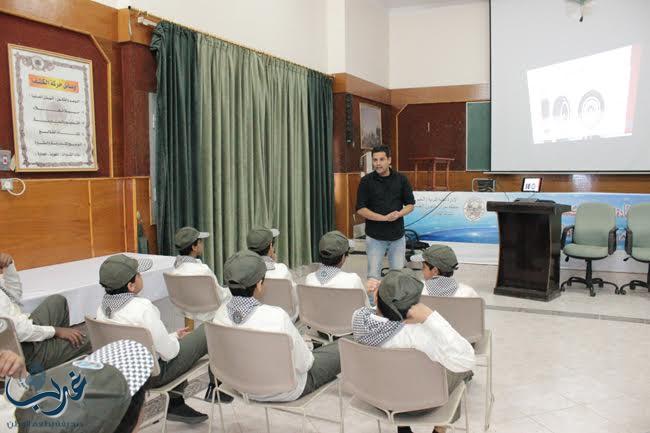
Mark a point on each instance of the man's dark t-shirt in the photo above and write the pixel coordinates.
(384, 195)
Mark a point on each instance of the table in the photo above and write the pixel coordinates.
(435, 161)
(79, 282)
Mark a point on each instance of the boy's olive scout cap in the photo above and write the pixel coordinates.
(400, 290)
(186, 236)
(334, 244)
(259, 238)
(118, 270)
(440, 256)
(243, 269)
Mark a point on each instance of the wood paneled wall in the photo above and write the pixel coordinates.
(431, 130)
(57, 221)
(347, 155)
(72, 216)
(346, 184)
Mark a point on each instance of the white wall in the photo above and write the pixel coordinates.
(439, 46)
(117, 4)
(294, 30)
(336, 36)
(367, 41)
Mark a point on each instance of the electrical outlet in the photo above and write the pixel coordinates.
(5, 160)
(6, 184)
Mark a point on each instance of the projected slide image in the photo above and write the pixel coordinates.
(586, 98)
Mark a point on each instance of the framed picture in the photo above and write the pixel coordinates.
(370, 126)
(53, 111)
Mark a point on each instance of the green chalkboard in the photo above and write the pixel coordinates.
(478, 136)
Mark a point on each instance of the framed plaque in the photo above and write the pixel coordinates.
(53, 111)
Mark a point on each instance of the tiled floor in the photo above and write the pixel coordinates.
(552, 373)
(576, 300)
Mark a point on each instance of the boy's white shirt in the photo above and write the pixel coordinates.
(438, 340)
(192, 269)
(342, 280)
(26, 330)
(281, 271)
(275, 319)
(142, 312)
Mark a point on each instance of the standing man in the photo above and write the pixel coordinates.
(384, 197)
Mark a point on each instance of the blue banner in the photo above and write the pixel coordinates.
(443, 216)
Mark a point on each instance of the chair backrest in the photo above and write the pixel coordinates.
(252, 362)
(8, 337)
(638, 220)
(593, 223)
(370, 374)
(102, 333)
(329, 309)
(279, 293)
(192, 293)
(465, 315)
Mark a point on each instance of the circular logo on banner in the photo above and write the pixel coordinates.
(474, 208)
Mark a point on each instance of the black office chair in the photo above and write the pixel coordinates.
(413, 246)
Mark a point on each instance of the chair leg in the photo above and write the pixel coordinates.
(164, 419)
(589, 281)
(216, 391)
(378, 426)
(268, 423)
(466, 413)
(212, 414)
(342, 429)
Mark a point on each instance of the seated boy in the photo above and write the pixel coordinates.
(438, 265)
(189, 242)
(400, 321)
(112, 384)
(262, 241)
(244, 273)
(334, 249)
(45, 335)
(177, 352)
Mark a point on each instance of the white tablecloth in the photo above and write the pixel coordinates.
(79, 283)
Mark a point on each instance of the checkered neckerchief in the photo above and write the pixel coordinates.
(269, 262)
(441, 286)
(185, 259)
(373, 330)
(131, 358)
(240, 308)
(325, 273)
(112, 303)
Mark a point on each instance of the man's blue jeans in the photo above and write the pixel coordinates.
(376, 249)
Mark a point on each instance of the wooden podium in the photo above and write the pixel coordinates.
(529, 249)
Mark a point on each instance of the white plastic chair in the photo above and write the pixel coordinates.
(467, 317)
(329, 310)
(250, 362)
(102, 333)
(418, 395)
(279, 293)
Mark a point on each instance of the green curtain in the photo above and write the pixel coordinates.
(234, 132)
(244, 139)
(320, 157)
(255, 151)
(177, 135)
